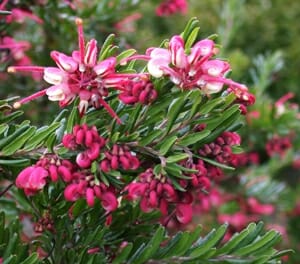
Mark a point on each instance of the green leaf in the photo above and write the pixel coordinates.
(260, 242)
(10, 248)
(122, 257)
(215, 163)
(177, 157)
(191, 139)
(40, 135)
(73, 119)
(179, 244)
(196, 99)
(151, 247)
(11, 117)
(18, 142)
(191, 38)
(150, 137)
(13, 136)
(3, 128)
(229, 246)
(205, 244)
(4, 12)
(191, 25)
(125, 54)
(173, 112)
(133, 117)
(253, 235)
(15, 162)
(106, 46)
(32, 259)
(210, 105)
(167, 145)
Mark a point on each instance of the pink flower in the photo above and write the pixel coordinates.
(127, 24)
(32, 179)
(184, 213)
(79, 75)
(191, 70)
(169, 7)
(256, 207)
(19, 15)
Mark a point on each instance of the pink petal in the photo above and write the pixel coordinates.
(109, 201)
(184, 213)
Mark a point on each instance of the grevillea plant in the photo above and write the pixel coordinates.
(139, 140)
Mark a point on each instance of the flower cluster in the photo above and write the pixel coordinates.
(158, 192)
(120, 157)
(79, 75)
(34, 178)
(169, 7)
(196, 69)
(278, 146)
(84, 184)
(86, 139)
(250, 209)
(220, 149)
(141, 91)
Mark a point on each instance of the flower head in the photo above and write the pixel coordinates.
(79, 75)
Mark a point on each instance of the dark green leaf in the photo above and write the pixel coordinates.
(167, 145)
(191, 139)
(122, 256)
(150, 137)
(15, 162)
(205, 244)
(19, 131)
(177, 157)
(18, 142)
(40, 135)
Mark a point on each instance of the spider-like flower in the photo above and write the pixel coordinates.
(79, 75)
(189, 68)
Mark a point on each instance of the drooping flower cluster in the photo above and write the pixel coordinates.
(169, 7)
(250, 209)
(141, 91)
(34, 178)
(79, 75)
(278, 146)
(87, 141)
(220, 149)
(158, 192)
(84, 184)
(120, 157)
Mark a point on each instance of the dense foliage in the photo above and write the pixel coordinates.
(133, 129)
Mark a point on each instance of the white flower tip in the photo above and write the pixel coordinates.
(78, 21)
(17, 105)
(11, 69)
(211, 88)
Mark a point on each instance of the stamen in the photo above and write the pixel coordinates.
(25, 69)
(29, 98)
(79, 23)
